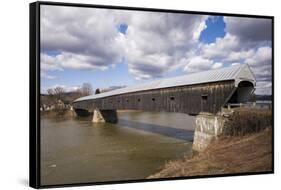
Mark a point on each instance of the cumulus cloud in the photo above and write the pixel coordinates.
(261, 64)
(234, 56)
(47, 76)
(249, 29)
(247, 41)
(198, 63)
(82, 40)
(261, 57)
(152, 45)
(153, 41)
(217, 65)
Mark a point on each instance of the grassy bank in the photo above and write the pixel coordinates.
(63, 113)
(248, 153)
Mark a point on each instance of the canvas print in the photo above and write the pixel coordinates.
(146, 95)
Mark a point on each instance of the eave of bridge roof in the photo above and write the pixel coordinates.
(237, 73)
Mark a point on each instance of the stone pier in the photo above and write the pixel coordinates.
(233, 122)
(208, 127)
(100, 116)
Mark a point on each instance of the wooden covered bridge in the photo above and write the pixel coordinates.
(206, 91)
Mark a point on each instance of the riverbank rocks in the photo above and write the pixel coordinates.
(239, 121)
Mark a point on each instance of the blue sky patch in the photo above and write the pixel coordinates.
(52, 52)
(119, 76)
(122, 28)
(215, 28)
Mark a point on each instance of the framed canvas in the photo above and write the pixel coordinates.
(127, 94)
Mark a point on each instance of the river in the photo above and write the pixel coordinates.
(79, 151)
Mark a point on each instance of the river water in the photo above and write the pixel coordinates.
(79, 151)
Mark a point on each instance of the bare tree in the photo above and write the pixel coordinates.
(87, 89)
(50, 98)
(58, 92)
(50, 92)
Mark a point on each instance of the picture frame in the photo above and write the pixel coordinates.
(35, 82)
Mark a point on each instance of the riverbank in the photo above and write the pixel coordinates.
(236, 154)
(63, 113)
(67, 113)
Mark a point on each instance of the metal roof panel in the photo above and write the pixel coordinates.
(237, 73)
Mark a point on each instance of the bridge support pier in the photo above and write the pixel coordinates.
(101, 116)
(208, 128)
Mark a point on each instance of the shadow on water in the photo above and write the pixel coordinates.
(181, 134)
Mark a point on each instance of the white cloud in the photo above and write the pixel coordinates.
(80, 38)
(154, 43)
(220, 48)
(239, 55)
(202, 26)
(247, 40)
(217, 65)
(49, 63)
(198, 63)
(249, 29)
(235, 64)
(47, 76)
(261, 56)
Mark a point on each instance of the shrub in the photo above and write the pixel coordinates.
(247, 120)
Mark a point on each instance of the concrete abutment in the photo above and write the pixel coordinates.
(234, 122)
(208, 128)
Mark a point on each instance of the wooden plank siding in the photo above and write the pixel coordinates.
(208, 97)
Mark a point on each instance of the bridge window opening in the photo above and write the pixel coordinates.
(172, 98)
(139, 99)
(204, 96)
(153, 99)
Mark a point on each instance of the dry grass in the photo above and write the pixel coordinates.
(248, 120)
(249, 153)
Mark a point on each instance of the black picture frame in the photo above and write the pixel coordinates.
(34, 91)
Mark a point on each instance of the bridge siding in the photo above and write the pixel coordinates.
(187, 99)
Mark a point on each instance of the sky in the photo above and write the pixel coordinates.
(121, 48)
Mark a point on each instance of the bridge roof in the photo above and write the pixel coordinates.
(237, 73)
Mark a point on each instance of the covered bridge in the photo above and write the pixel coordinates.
(206, 91)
